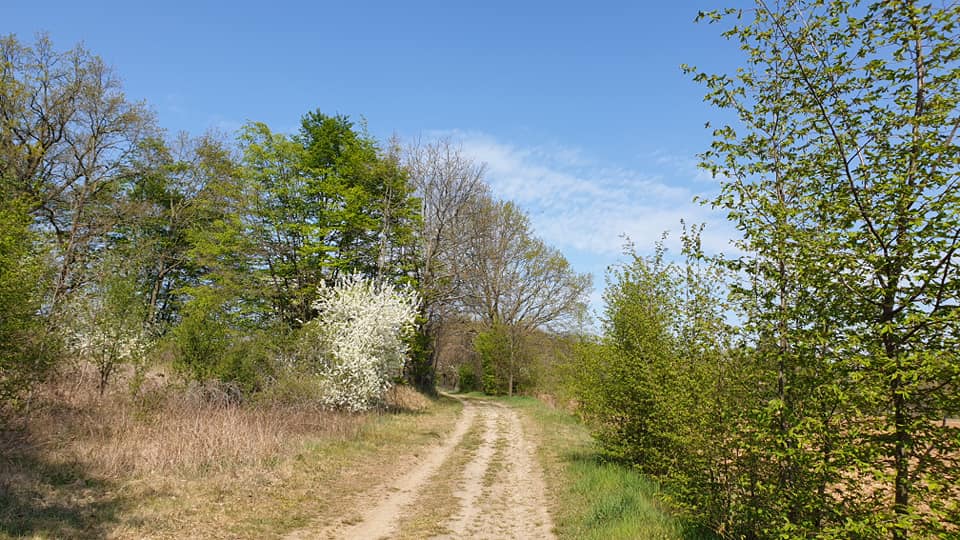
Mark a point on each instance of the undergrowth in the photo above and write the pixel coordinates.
(594, 498)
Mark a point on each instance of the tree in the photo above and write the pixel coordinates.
(283, 219)
(108, 321)
(164, 190)
(363, 196)
(67, 133)
(357, 345)
(664, 389)
(511, 278)
(26, 348)
(448, 186)
(842, 176)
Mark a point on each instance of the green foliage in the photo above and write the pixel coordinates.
(467, 380)
(419, 368)
(503, 360)
(209, 345)
(841, 175)
(26, 349)
(625, 372)
(595, 497)
(201, 339)
(108, 321)
(366, 198)
(168, 191)
(665, 390)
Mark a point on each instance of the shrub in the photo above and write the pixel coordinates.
(200, 339)
(107, 324)
(467, 378)
(25, 348)
(358, 344)
(209, 346)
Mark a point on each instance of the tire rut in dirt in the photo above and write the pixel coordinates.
(387, 503)
(503, 495)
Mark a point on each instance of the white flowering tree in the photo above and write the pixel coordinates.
(357, 341)
(106, 326)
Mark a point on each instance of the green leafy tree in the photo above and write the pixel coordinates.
(26, 348)
(364, 197)
(164, 192)
(495, 356)
(841, 174)
(666, 388)
(67, 135)
(284, 220)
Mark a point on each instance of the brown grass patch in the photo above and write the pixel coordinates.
(171, 461)
(165, 429)
(401, 397)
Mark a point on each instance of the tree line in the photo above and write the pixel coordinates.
(122, 244)
(804, 387)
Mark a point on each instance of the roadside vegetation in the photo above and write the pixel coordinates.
(177, 462)
(219, 334)
(592, 496)
(801, 386)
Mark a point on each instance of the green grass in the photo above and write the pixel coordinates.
(591, 498)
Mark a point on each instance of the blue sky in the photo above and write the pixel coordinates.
(579, 109)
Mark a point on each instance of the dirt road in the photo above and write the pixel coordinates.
(482, 481)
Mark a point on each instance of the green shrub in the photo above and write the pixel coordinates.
(467, 378)
(26, 348)
(200, 341)
(208, 347)
(494, 349)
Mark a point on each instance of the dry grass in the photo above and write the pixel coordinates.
(406, 399)
(171, 461)
(167, 430)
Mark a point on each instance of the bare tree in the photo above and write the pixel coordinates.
(512, 280)
(449, 186)
(67, 133)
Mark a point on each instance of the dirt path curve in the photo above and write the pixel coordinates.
(498, 492)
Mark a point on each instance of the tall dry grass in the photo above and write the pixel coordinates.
(163, 427)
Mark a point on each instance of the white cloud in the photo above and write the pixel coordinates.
(585, 208)
(580, 204)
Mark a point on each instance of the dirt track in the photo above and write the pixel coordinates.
(489, 484)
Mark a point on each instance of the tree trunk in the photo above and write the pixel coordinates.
(510, 368)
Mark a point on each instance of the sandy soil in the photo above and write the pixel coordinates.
(497, 493)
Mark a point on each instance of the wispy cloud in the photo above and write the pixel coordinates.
(576, 202)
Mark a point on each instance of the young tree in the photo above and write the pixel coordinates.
(665, 390)
(842, 176)
(108, 322)
(26, 348)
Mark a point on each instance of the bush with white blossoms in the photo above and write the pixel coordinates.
(107, 333)
(358, 339)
